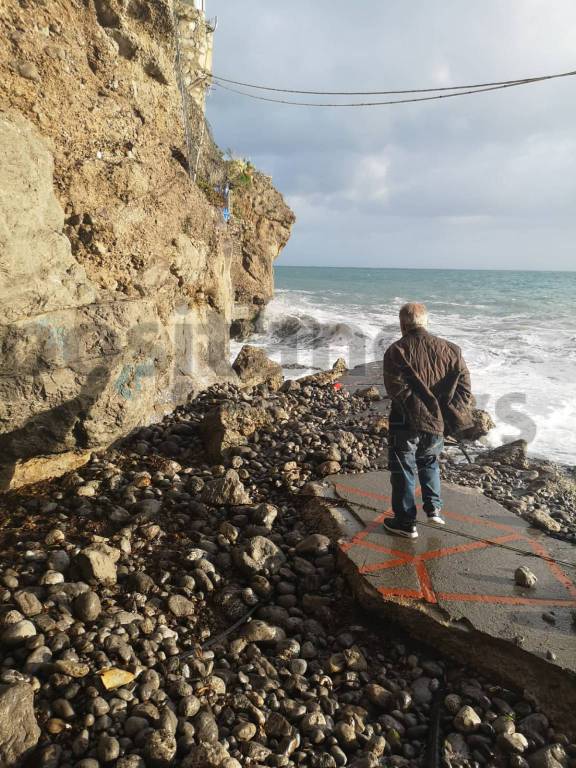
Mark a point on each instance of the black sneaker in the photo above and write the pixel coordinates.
(436, 517)
(408, 530)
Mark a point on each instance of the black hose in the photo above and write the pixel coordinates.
(434, 745)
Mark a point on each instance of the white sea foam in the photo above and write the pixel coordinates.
(523, 371)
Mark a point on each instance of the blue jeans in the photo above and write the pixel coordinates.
(411, 453)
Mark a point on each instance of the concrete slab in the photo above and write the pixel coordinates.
(456, 583)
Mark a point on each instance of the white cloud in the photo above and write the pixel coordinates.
(390, 179)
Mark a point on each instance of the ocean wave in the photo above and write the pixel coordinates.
(309, 332)
(520, 364)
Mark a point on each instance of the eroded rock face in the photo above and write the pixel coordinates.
(266, 222)
(118, 275)
(82, 365)
(19, 731)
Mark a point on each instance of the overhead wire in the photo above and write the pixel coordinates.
(437, 97)
(515, 81)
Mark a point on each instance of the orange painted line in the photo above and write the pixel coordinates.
(400, 592)
(407, 556)
(372, 526)
(384, 566)
(425, 582)
(504, 599)
(360, 492)
(436, 553)
(555, 569)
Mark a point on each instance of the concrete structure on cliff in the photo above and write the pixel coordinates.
(195, 44)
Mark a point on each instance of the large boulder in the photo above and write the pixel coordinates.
(19, 731)
(512, 454)
(230, 425)
(254, 367)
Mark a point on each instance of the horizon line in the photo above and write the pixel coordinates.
(421, 269)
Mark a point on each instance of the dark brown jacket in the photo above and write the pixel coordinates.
(429, 384)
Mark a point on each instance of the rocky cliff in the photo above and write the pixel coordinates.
(118, 276)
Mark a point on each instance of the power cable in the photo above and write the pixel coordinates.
(374, 103)
(517, 81)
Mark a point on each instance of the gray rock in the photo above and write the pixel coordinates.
(524, 577)
(265, 515)
(467, 720)
(38, 657)
(160, 749)
(108, 748)
(257, 631)
(514, 454)
(245, 731)
(28, 603)
(206, 756)
(71, 668)
(141, 582)
(180, 606)
(146, 509)
(229, 426)
(206, 727)
(19, 731)
(59, 561)
(379, 696)
(131, 761)
(97, 564)
(315, 544)
(258, 555)
(551, 756)
(87, 607)
(369, 393)
(18, 633)
(329, 468)
(513, 742)
(455, 749)
(542, 519)
(227, 490)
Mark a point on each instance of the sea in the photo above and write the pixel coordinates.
(517, 331)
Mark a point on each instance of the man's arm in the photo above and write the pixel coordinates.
(463, 398)
(395, 379)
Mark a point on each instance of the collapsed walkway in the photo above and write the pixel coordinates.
(454, 586)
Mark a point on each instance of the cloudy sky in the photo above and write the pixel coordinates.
(486, 181)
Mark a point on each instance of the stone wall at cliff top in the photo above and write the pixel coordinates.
(117, 276)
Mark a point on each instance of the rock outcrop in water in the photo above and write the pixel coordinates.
(119, 277)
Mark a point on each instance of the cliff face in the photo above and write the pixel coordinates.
(118, 277)
(265, 226)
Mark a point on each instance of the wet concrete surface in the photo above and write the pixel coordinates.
(464, 572)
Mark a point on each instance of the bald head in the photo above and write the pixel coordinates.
(413, 316)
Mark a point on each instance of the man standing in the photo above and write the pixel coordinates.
(429, 384)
